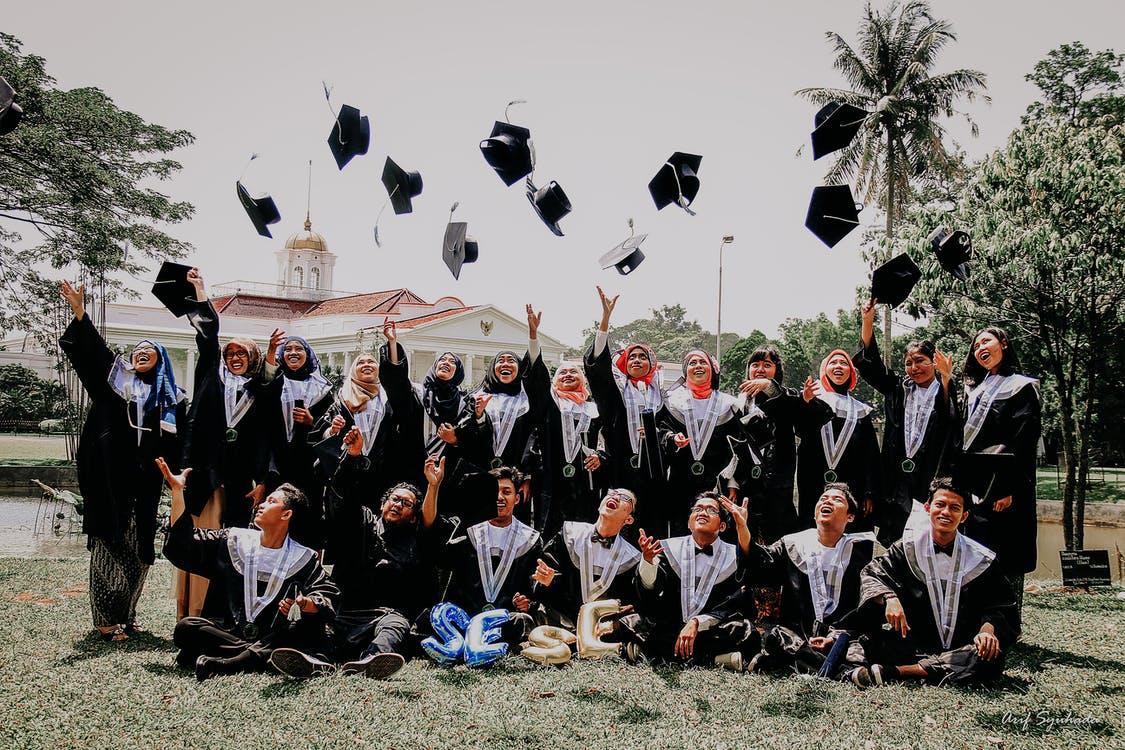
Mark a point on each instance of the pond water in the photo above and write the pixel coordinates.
(30, 530)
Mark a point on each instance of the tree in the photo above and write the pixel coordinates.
(668, 332)
(1078, 84)
(77, 172)
(890, 76)
(26, 397)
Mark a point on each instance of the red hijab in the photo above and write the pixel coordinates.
(827, 384)
(622, 363)
(704, 390)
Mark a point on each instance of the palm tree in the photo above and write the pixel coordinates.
(890, 77)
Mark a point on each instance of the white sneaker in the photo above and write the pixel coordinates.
(298, 665)
(731, 661)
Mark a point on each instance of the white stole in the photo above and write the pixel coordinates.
(518, 539)
(636, 399)
(311, 390)
(700, 416)
(970, 559)
(852, 410)
(824, 568)
(918, 407)
(235, 406)
(369, 418)
(575, 420)
(992, 388)
(718, 566)
(504, 410)
(243, 546)
(623, 556)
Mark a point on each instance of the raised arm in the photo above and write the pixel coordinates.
(435, 472)
(867, 360)
(84, 346)
(186, 547)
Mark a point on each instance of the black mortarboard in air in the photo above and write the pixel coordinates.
(261, 209)
(833, 213)
(836, 126)
(10, 112)
(402, 186)
(508, 151)
(892, 282)
(550, 202)
(626, 256)
(677, 181)
(954, 250)
(173, 289)
(458, 247)
(350, 136)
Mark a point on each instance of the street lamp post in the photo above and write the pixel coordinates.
(727, 239)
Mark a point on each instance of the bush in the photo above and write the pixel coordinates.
(26, 397)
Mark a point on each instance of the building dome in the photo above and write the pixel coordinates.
(307, 240)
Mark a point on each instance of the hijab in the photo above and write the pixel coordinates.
(622, 363)
(826, 383)
(254, 362)
(354, 394)
(442, 399)
(163, 393)
(578, 396)
(492, 383)
(701, 391)
(312, 364)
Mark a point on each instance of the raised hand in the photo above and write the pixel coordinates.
(544, 574)
(434, 470)
(649, 546)
(810, 390)
(276, 338)
(75, 296)
(533, 319)
(480, 401)
(740, 513)
(353, 440)
(607, 307)
(196, 280)
(176, 482)
(943, 363)
(389, 333)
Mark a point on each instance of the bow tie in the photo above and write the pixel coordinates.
(605, 541)
(944, 550)
(706, 549)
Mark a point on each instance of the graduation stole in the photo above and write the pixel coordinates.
(310, 390)
(235, 406)
(636, 400)
(720, 565)
(579, 545)
(575, 420)
(700, 416)
(243, 546)
(918, 407)
(970, 559)
(132, 390)
(848, 407)
(504, 410)
(980, 400)
(369, 418)
(824, 569)
(518, 539)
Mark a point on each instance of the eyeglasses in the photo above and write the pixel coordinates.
(237, 355)
(709, 510)
(402, 502)
(619, 496)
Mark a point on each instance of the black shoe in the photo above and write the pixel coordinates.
(184, 660)
(207, 667)
(298, 665)
(212, 666)
(375, 666)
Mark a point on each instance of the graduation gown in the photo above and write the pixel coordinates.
(235, 461)
(224, 555)
(587, 571)
(1012, 423)
(769, 445)
(117, 475)
(859, 465)
(469, 560)
(627, 469)
(947, 652)
(934, 456)
(291, 455)
(710, 422)
(557, 496)
(693, 584)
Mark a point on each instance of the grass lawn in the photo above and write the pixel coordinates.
(1105, 485)
(65, 689)
(31, 447)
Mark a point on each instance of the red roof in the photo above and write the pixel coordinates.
(415, 322)
(260, 306)
(385, 302)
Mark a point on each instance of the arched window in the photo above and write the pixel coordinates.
(298, 276)
(314, 278)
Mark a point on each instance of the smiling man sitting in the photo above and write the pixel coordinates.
(948, 608)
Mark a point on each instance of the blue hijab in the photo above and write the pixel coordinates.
(312, 364)
(164, 394)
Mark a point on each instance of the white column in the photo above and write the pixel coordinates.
(188, 383)
(467, 361)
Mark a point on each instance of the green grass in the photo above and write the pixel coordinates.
(1104, 485)
(66, 689)
(31, 447)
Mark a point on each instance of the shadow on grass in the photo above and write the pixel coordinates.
(92, 646)
(811, 700)
(1042, 723)
(285, 688)
(630, 712)
(1032, 658)
(456, 676)
(162, 669)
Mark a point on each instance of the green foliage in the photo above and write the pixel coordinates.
(668, 332)
(24, 396)
(78, 173)
(1078, 84)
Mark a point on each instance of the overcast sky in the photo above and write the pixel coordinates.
(613, 88)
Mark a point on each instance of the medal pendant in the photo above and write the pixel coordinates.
(251, 630)
(497, 463)
(908, 466)
(568, 470)
(756, 472)
(697, 468)
(635, 461)
(232, 435)
(830, 476)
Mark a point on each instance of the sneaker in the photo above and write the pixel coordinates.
(632, 653)
(293, 663)
(375, 666)
(755, 664)
(861, 677)
(731, 661)
(881, 674)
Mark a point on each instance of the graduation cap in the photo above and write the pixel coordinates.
(676, 182)
(833, 213)
(835, 126)
(329, 452)
(173, 289)
(261, 209)
(402, 186)
(550, 202)
(985, 473)
(350, 136)
(458, 248)
(892, 282)
(10, 112)
(954, 250)
(509, 151)
(627, 255)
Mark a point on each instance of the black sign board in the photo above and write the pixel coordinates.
(1088, 567)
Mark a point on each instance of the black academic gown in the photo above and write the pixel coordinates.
(859, 467)
(936, 456)
(683, 483)
(558, 497)
(771, 445)
(463, 585)
(117, 477)
(1013, 424)
(216, 461)
(563, 598)
(661, 613)
(986, 598)
(207, 552)
(643, 480)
